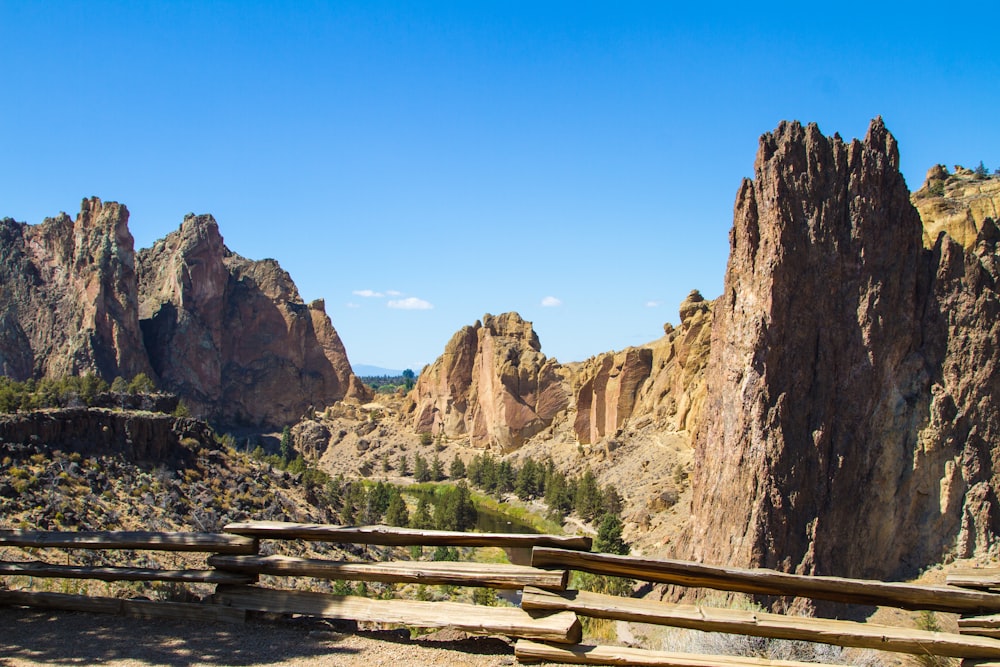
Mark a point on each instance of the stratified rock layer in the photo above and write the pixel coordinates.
(850, 389)
(233, 335)
(492, 385)
(68, 298)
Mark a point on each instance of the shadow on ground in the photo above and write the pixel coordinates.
(68, 638)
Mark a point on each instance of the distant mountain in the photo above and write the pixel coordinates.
(229, 335)
(364, 370)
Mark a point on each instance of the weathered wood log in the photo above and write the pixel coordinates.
(771, 582)
(561, 627)
(41, 569)
(118, 607)
(985, 578)
(184, 611)
(400, 537)
(61, 601)
(527, 651)
(489, 575)
(148, 540)
(760, 624)
(984, 626)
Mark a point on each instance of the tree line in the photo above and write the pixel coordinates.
(66, 392)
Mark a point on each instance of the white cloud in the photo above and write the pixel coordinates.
(653, 304)
(410, 303)
(392, 292)
(551, 302)
(351, 304)
(367, 293)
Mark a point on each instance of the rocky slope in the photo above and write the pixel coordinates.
(233, 335)
(850, 402)
(68, 297)
(230, 335)
(102, 469)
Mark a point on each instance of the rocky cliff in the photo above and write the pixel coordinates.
(68, 299)
(233, 335)
(661, 382)
(957, 203)
(850, 405)
(492, 385)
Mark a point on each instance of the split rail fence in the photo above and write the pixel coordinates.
(546, 625)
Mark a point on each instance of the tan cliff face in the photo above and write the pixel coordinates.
(660, 382)
(233, 336)
(492, 385)
(956, 203)
(849, 417)
(68, 302)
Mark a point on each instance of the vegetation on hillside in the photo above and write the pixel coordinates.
(75, 391)
(390, 384)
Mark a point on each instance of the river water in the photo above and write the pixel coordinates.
(487, 521)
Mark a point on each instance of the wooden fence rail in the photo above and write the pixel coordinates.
(771, 582)
(547, 623)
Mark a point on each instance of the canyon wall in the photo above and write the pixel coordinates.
(660, 382)
(850, 389)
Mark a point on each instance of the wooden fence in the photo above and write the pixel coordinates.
(546, 624)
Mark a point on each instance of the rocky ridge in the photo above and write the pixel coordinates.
(229, 335)
(233, 335)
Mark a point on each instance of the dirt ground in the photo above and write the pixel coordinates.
(32, 637)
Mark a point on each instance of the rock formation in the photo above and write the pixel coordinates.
(850, 389)
(142, 437)
(68, 299)
(661, 380)
(233, 335)
(229, 335)
(492, 385)
(957, 204)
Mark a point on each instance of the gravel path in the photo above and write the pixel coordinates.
(32, 637)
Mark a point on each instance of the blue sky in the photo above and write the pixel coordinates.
(420, 164)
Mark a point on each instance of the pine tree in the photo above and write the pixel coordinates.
(286, 444)
(437, 469)
(404, 465)
(609, 536)
(587, 500)
(421, 472)
(396, 514)
(457, 468)
(421, 518)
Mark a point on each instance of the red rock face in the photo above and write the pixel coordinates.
(492, 384)
(850, 381)
(233, 336)
(69, 302)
